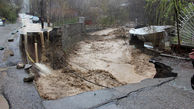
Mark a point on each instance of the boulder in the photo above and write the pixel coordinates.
(30, 78)
(10, 40)
(1, 48)
(20, 65)
(27, 67)
(11, 53)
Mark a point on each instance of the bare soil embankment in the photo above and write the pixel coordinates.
(105, 58)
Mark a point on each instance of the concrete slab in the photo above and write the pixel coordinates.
(3, 103)
(158, 98)
(149, 30)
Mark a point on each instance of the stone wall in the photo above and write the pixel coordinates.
(71, 34)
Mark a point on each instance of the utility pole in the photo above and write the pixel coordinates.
(42, 13)
(48, 4)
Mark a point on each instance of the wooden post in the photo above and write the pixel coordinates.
(26, 41)
(48, 36)
(42, 41)
(36, 52)
(26, 46)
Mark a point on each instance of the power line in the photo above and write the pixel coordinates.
(89, 80)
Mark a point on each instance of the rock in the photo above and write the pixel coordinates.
(27, 67)
(11, 53)
(20, 65)
(30, 78)
(10, 40)
(1, 48)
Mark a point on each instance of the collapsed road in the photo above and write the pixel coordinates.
(104, 58)
(174, 92)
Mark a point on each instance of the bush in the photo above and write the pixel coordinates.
(8, 11)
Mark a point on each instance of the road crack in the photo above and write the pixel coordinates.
(137, 91)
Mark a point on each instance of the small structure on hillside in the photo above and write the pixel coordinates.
(157, 35)
(82, 20)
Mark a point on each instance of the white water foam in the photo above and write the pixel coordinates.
(44, 70)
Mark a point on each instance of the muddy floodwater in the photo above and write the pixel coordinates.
(104, 58)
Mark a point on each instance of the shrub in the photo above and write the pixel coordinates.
(8, 11)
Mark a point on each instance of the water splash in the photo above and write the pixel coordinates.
(44, 70)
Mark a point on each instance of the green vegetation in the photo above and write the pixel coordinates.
(66, 21)
(8, 11)
(167, 12)
(163, 11)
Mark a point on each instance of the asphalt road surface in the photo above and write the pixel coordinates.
(5, 32)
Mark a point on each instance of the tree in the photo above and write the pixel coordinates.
(162, 12)
(166, 10)
(9, 10)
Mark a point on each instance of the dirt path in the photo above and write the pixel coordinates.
(105, 59)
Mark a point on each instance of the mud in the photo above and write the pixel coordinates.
(66, 83)
(113, 54)
(104, 59)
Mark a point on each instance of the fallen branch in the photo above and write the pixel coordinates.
(168, 55)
